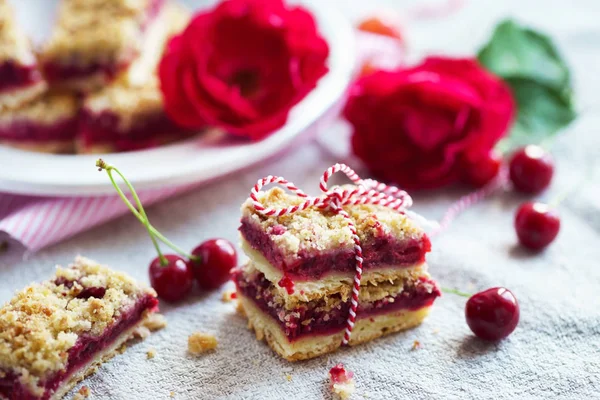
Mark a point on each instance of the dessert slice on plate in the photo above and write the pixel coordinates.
(297, 288)
(54, 334)
(47, 124)
(20, 78)
(128, 115)
(94, 42)
(124, 118)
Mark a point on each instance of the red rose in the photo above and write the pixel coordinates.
(421, 127)
(241, 66)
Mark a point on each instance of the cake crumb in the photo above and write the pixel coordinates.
(416, 345)
(83, 393)
(150, 354)
(229, 296)
(199, 343)
(341, 381)
(288, 377)
(172, 394)
(122, 348)
(155, 322)
(436, 331)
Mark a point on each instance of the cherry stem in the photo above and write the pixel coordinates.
(456, 292)
(141, 214)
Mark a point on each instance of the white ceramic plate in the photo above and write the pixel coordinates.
(195, 160)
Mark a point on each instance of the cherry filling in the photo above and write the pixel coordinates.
(315, 318)
(31, 130)
(80, 354)
(14, 75)
(147, 132)
(54, 71)
(377, 252)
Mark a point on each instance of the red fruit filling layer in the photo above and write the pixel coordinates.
(313, 319)
(380, 251)
(56, 71)
(31, 130)
(80, 354)
(148, 132)
(15, 76)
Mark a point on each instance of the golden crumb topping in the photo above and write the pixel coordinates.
(97, 32)
(14, 44)
(199, 342)
(47, 109)
(315, 230)
(42, 322)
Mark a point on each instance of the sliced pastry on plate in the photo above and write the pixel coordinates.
(296, 290)
(54, 334)
(122, 118)
(20, 77)
(125, 115)
(95, 42)
(47, 124)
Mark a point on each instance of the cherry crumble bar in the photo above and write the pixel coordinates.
(20, 78)
(54, 334)
(93, 42)
(296, 289)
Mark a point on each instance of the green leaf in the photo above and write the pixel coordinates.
(518, 52)
(539, 78)
(542, 112)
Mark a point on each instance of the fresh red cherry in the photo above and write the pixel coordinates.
(216, 259)
(492, 314)
(480, 172)
(531, 169)
(537, 225)
(173, 281)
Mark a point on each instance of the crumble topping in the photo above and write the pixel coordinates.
(341, 381)
(47, 109)
(14, 44)
(316, 230)
(96, 31)
(42, 322)
(199, 342)
(150, 354)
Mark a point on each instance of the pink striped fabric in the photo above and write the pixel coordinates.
(37, 222)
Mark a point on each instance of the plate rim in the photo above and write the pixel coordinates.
(329, 92)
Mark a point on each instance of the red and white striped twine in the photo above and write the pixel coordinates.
(470, 200)
(367, 191)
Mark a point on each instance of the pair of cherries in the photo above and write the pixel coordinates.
(210, 264)
(531, 169)
(173, 275)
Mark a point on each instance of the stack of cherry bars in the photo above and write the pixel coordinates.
(296, 290)
(92, 86)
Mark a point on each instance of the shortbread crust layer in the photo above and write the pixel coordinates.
(334, 282)
(365, 329)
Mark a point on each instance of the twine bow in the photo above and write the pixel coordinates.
(366, 191)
